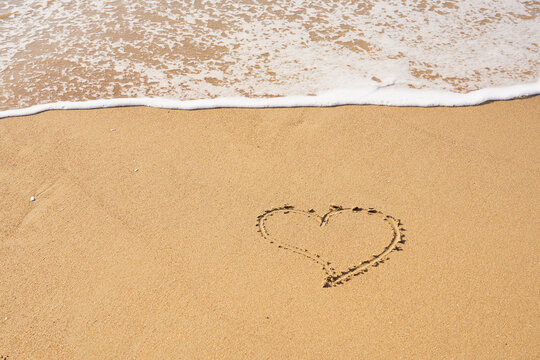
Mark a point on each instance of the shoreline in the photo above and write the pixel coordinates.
(384, 96)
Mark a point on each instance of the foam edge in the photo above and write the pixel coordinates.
(385, 95)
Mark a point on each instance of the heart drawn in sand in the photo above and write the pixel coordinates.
(355, 253)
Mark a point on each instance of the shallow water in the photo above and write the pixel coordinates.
(73, 50)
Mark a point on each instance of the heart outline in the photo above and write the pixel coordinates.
(334, 278)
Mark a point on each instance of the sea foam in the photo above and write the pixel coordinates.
(275, 53)
(367, 96)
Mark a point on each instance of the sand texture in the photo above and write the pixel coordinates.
(355, 232)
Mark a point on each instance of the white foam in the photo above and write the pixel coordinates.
(385, 95)
(193, 49)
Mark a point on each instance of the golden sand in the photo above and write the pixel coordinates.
(160, 234)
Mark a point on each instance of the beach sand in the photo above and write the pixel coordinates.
(145, 238)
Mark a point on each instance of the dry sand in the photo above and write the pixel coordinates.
(145, 242)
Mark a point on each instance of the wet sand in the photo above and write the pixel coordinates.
(144, 240)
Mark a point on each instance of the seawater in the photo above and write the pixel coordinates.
(248, 52)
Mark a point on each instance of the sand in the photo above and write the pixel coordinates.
(145, 239)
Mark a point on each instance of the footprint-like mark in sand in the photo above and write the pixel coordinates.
(335, 277)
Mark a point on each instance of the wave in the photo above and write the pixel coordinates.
(366, 96)
(75, 50)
